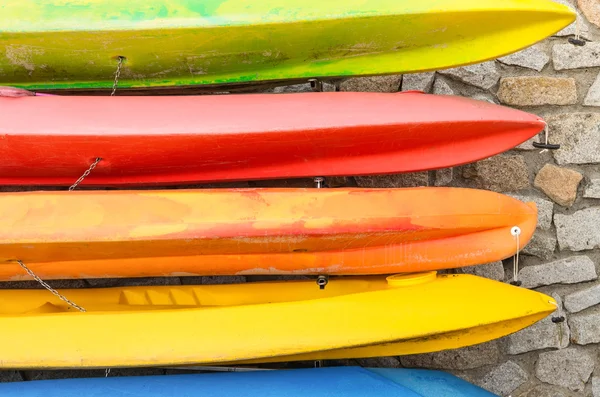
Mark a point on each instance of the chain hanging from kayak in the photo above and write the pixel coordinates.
(516, 232)
(117, 74)
(49, 288)
(85, 174)
(98, 159)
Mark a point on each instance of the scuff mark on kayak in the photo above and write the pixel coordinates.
(21, 55)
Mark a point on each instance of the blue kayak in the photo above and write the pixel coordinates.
(314, 382)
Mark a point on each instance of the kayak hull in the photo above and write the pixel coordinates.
(178, 140)
(337, 381)
(260, 322)
(77, 45)
(98, 234)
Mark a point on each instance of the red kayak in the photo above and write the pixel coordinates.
(165, 140)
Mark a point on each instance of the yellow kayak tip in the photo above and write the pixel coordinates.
(352, 317)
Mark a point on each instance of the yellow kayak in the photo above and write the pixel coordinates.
(260, 322)
(77, 44)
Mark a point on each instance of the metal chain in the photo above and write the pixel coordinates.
(117, 74)
(49, 288)
(85, 174)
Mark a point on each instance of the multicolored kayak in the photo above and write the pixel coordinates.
(51, 44)
(260, 322)
(87, 234)
(174, 140)
(314, 382)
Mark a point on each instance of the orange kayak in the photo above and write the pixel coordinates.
(89, 234)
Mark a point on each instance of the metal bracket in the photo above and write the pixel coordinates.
(316, 85)
(322, 281)
(548, 146)
(319, 182)
(577, 42)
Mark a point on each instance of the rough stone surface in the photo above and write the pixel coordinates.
(571, 270)
(541, 335)
(418, 81)
(579, 137)
(440, 87)
(494, 270)
(531, 58)
(389, 83)
(582, 299)
(398, 180)
(578, 231)
(379, 362)
(593, 189)
(569, 56)
(223, 279)
(31, 284)
(336, 181)
(61, 374)
(595, 386)
(10, 376)
(585, 328)
(528, 144)
(544, 391)
(504, 379)
(592, 97)
(504, 173)
(545, 209)
(542, 245)
(570, 368)
(580, 24)
(459, 359)
(537, 91)
(591, 10)
(483, 97)
(560, 184)
(482, 75)
(443, 177)
(132, 282)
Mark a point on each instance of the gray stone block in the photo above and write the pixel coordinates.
(570, 368)
(571, 270)
(578, 231)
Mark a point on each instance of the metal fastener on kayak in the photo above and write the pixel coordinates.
(49, 288)
(322, 281)
(316, 85)
(319, 181)
(516, 232)
(85, 174)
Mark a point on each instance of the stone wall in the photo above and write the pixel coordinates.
(557, 81)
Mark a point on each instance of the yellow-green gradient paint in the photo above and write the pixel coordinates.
(55, 44)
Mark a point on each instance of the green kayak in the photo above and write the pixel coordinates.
(77, 44)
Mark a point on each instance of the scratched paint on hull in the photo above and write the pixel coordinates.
(243, 231)
(49, 44)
